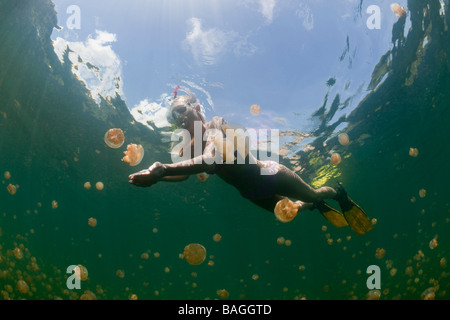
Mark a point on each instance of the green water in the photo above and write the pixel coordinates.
(52, 143)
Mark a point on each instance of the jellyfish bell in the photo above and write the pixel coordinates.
(114, 138)
(255, 109)
(286, 210)
(81, 272)
(92, 222)
(202, 176)
(194, 253)
(373, 295)
(335, 158)
(99, 185)
(343, 139)
(134, 154)
(22, 286)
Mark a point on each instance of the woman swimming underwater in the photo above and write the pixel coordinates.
(271, 190)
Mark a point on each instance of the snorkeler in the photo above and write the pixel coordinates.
(264, 190)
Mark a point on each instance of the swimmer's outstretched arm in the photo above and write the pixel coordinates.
(164, 172)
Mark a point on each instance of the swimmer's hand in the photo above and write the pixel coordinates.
(148, 177)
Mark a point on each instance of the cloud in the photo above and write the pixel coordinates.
(266, 8)
(208, 46)
(150, 112)
(304, 13)
(95, 63)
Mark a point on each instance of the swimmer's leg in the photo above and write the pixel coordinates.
(289, 184)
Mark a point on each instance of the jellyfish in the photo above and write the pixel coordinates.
(144, 256)
(422, 193)
(92, 222)
(428, 294)
(286, 210)
(413, 152)
(254, 109)
(373, 295)
(54, 204)
(343, 139)
(120, 273)
(12, 189)
(22, 286)
(99, 185)
(114, 138)
(393, 272)
(7, 175)
(87, 185)
(194, 253)
(18, 253)
(82, 272)
(134, 154)
(88, 295)
(217, 237)
(202, 176)
(433, 243)
(223, 294)
(335, 158)
(397, 9)
(380, 252)
(133, 297)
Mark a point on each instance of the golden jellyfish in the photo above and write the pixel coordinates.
(114, 138)
(428, 294)
(413, 152)
(120, 273)
(144, 256)
(422, 193)
(134, 154)
(88, 295)
(87, 185)
(7, 175)
(82, 272)
(255, 109)
(217, 237)
(433, 243)
(380, 252)
(12, 189)
(335, 158)
(373, 295)
(92, 222)
(223, 294)
(397, 9)
(443, 262)
(99, 185)
(22, 286)
(343, 139)
(393, 272)
(54, 204)
(133, 297)
(194, 253)
(202, 176)
(286, 210)
(18, 253)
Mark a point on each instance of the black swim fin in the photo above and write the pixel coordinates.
(355, 216)
(332, 215)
